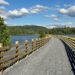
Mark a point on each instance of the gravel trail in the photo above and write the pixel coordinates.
(50, 59)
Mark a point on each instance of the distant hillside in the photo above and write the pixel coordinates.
(33, 29)
(20, 30)
(66, 30)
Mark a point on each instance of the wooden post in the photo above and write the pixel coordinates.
(37, 43)
(1, 57)
(26, 45)
(33, 45)
(17, 51)
(41, 42)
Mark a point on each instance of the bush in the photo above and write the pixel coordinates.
(42, 34)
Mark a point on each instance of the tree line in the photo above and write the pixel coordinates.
(62, 31)
(33, 29)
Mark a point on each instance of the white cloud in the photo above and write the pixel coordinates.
(69, 23)
(63, 11)
(4, 17)
(23, 11)
(14, 13)
(70, 11)
(17, 13)
(67, 5)
(38, 8)
(56, 19)
(3, 2)
(53, 16)
(3, 13)
(57, 6)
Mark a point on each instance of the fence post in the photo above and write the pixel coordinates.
(33, 45)
(42, 41)
(37, 40)
(26, 45)
(17, 51)
(39, 43)
(1, 56)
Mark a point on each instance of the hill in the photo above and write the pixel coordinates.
(33, 29)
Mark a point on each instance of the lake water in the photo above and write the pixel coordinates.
(23, 38)
(71, 35)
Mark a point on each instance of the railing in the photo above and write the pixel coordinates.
(9, 57)
(69, 43)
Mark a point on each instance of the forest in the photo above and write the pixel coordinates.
(33, 29)
(21, 30)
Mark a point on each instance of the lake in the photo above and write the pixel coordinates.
(70, 35)
(22, 38)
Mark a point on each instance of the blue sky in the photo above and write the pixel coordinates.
(38, 12)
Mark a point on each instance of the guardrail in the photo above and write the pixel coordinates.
(10, 57)
(69, 43)
(69, 40)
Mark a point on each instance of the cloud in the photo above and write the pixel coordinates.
(24, 11)
(3, 13)
(37, 9)
(63, 11)
(13, 13)
(70, 11)
(3, 2)
(17, 13)
(58, 6)
(4, 17)
(53, 16)
(69, 23)
(56, 19)
(67, 5)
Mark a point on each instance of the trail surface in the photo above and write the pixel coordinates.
(50, 59)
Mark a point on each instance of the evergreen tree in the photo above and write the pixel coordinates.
(4, 33)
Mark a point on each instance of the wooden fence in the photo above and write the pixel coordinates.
(70, 41)
(69, 44)
(10, 57)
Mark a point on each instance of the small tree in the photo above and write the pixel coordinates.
(42, 34)
(4, 33)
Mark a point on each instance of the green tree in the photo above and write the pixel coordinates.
(4, 33)
(42, 34)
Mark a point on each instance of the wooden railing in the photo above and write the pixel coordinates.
(69, 44)
(70, 41)
(10, 57)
